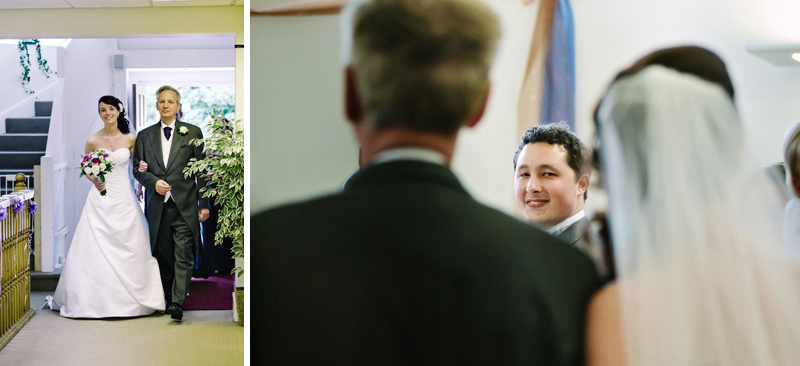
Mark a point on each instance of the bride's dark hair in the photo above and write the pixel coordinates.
(122, 122)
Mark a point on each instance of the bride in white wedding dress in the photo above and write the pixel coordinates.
(702, 275)
(109, 270)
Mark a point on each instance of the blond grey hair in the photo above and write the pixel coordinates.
(165, 88)
(792, 154)
(421, 64)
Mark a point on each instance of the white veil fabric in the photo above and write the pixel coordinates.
(791, 216)
(703, 278)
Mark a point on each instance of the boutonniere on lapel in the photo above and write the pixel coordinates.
(183, 130)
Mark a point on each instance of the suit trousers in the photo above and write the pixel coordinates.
(173, 251)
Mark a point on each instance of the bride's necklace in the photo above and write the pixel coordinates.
(112, 139)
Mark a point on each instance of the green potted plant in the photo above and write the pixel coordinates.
(224, 167)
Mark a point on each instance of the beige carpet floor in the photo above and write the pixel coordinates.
(206, 337)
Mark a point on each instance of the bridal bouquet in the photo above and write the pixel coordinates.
(96, 163)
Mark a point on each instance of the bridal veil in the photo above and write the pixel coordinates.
(703, 277)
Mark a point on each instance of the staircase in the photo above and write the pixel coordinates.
(24, 143)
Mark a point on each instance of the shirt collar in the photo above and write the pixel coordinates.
(174, 123)
(409, 153)
(563, 225)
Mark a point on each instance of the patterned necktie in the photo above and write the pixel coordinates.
(167, 131)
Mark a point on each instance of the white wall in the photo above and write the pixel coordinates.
(611, 34)
(14, 101)
(88, 75)
(300, 143)
(180, 58)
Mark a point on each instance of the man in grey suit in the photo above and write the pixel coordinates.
(552, 174)
(174, 206)
(404, 267)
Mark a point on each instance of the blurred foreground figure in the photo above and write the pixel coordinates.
(791, 218)
(404, 267)
(702, 278)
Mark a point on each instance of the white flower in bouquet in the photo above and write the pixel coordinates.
(96, 163)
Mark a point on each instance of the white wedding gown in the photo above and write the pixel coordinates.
(109, 270)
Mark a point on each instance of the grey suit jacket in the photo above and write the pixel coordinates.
(185, 190)
(579, 235)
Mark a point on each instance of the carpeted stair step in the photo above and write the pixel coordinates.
(27, 172)
(16, 160)
(28, 125)
(45, 281)
(43, 109)
(23, 142)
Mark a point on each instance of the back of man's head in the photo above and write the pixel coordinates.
(421, 65)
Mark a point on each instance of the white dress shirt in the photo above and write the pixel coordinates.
(563, 225)
(166, 146)
(409, 153)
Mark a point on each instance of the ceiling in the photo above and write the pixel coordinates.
(172, 42)
(65, 4)
(186, 41)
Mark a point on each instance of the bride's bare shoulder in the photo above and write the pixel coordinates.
(604, 342)
(606, 301)
(131, 139)
(92, 142)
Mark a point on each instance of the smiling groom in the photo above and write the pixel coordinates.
(174, 205)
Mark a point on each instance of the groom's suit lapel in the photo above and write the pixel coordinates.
(177, 140)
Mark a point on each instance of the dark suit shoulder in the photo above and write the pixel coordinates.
(150, 129)
(190, 126)
(436, 214)
(419, 257)
(544, 246)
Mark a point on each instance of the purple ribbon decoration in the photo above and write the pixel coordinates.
(18, 206)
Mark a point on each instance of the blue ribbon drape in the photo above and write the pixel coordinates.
(558, 87)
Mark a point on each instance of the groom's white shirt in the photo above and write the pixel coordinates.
(166, 145)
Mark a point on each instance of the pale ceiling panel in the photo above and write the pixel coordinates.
(60, 4)
(109, 3)
(33, 4)
(191, 2)
(188, 42)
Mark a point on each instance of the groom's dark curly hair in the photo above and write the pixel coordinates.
(578, 153)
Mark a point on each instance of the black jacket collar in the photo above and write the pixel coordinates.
(404, 172)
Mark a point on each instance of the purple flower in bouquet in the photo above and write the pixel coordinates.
(96, 164)
(2, 213)
(19, 205)
(34, 207)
